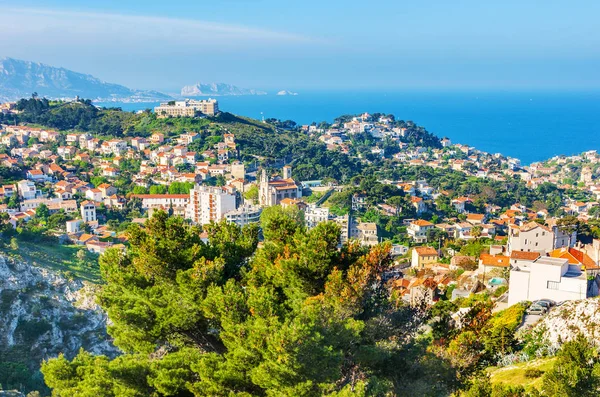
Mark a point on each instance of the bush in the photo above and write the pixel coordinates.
(500, 290)
(31, 330)
(532, 373)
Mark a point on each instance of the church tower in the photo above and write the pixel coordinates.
(263, 190)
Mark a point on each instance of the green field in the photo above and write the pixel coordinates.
(61, 258)
(515, 375)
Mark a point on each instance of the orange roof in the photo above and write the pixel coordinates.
(475, 217)
(494, 260)
(426, 251)
(575, 257)
(528, 256)
(422, 222)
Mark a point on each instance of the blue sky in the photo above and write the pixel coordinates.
(308, 45)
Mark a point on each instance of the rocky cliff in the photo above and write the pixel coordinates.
(41, 315)
(217, 89)
(565, 322)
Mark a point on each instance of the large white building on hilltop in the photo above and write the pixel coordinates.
(210, 204)
(187, 108)
(272, 191)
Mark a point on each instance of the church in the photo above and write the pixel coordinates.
(272, 191)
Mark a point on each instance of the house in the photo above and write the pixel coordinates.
(157, 138)
(358, 201)
(7, 191)
(35, 175)
(459, 204)
(549, 278)
(423, 256)
(523, 258)
(94, 195)
(489, 262)
(577, 257)
(106, 190)
(419, 204)
(418, 229)
(88, 211)
(27, 190)
(475, 219)
(367, 233)
(531, 237)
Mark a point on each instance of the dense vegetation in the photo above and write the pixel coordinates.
(294, 318)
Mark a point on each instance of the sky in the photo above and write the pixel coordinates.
(313, 44)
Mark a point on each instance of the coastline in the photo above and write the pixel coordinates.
(530, 126)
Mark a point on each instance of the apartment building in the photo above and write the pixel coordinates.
(209, 204)
(244, 215)
(187, 108)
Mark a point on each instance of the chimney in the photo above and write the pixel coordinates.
(287, 172)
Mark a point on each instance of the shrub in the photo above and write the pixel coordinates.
(532, 373)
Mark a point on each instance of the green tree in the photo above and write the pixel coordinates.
(576, 371)
(42, 211)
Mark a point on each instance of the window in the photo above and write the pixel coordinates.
(553, 284)
(537, 235)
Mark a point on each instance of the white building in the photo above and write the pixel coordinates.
(166, 202)
(314, 215)
(244, 215)
(418, 229)
(531, 237)
(88, 211)
(27, 189)
(549, 278)
(209, 204)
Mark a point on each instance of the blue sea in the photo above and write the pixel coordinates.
(529, 126)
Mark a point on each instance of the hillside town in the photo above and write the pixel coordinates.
(520, 253)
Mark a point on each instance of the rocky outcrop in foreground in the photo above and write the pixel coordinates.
(43, 314)
(565, 322)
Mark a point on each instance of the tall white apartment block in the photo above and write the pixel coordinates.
(209, 204)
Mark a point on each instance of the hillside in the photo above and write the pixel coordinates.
(20, 79)
(256, 140)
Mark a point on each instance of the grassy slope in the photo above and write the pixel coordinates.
(515, 374)
(60, 258)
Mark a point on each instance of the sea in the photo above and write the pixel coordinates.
(530, 126)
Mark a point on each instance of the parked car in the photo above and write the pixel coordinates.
(547, 301)
(535, 309)
(543, 303)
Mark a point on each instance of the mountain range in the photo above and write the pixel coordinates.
(20, 79)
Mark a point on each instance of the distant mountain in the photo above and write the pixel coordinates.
(217, 89)
(19, 79)
(285, 92)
